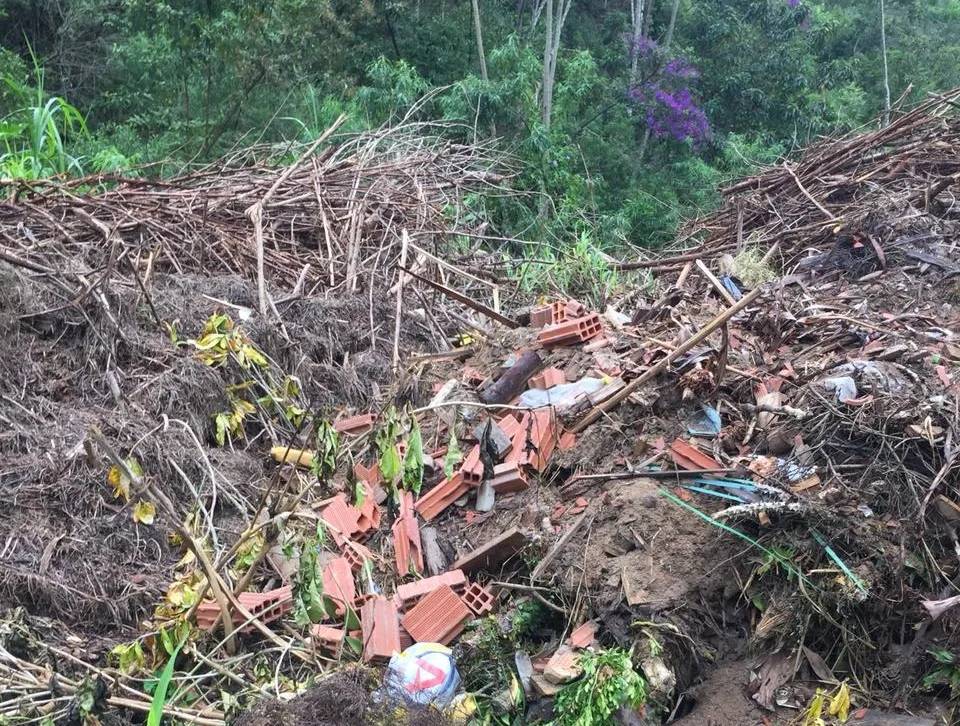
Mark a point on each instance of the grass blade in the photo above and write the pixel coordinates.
(160, 695)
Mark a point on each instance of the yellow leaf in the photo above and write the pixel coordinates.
(144, 512)
(840, 703)
(119, 482)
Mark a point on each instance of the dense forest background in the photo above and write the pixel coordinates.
(623, 115)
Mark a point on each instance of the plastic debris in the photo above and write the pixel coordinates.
(425, 674)
(560, 396)
(705, 422)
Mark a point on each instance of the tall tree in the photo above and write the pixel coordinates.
(556, 17)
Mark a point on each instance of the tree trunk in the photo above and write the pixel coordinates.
(478, 32)
(673, 24)
(636, 32)
(546, 92)
(556, 17)
(647, 18)
(886, 68)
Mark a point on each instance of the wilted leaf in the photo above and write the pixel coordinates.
(120, 482)
(128, 657)
(840, 703)
(144, 512)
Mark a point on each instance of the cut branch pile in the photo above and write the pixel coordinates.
(326, 222)
(903, 170)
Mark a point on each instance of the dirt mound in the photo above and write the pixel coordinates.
(342, 699)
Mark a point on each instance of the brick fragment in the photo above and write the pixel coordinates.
(509, 477)
(379, 629)
(355, 425)
(411, 592)
(439, 617)
(478, 599)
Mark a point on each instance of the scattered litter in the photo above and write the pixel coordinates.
(425, 674)
(705, 422)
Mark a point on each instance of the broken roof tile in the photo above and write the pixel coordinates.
(583, 636)
(690, 458)
(355, 425)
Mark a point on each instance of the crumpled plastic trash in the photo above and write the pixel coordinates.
(731, 287)
(880, 376)
(425, 674)
(844, 388)
(705, 422)
(562, 396)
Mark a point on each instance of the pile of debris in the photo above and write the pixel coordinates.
(743, 470)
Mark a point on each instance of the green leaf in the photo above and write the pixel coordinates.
(453, 457)
(413, 460)
(155, 716)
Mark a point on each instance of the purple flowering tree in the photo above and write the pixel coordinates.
(661, 90)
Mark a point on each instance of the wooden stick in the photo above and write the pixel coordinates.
(692, 343)
(718, 286)
(404, 246)
(469, 302)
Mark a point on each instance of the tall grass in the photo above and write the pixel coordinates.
(34, 136)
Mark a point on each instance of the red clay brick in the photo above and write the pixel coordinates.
(439, 617)
(441, 496)
(380, 629)
(541, 316)
(266, 606)
(478, 599)
(338, 583)
(544, 435)
(567, 441)
(574, 309)
(574, 331)
(493, 553)
(472, 468)
(509, 477)
(327, 637)
(355, 553)
(355, 425)
(411, 592)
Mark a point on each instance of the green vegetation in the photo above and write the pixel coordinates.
(609, 682)
(625, 116)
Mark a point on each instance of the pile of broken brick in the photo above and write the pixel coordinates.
(508, 448)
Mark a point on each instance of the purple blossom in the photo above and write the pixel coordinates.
(793, 3)
(664, 95)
